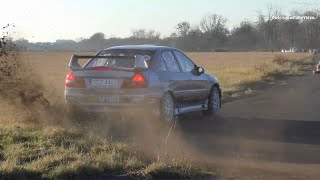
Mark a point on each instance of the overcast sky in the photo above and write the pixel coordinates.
(48, 20)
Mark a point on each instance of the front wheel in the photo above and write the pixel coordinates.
(214, 102)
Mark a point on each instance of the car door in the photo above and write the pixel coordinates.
(178, 81)
(198, 84)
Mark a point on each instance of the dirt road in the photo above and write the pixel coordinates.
(273, 134)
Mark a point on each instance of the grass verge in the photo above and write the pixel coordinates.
(55, 153)
(242, 81)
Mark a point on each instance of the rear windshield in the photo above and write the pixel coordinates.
(117, 62)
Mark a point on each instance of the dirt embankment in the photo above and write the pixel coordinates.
(22, 89)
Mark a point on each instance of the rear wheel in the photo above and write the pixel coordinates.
(167, 108)
(214, 102)
(78, 115)
(73, 111)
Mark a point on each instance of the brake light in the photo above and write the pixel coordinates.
(70, 77)
(72, 81)
(137, 81)
(138, 78)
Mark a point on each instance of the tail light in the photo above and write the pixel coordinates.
(137, 81)
(138, 78)
(72, 81)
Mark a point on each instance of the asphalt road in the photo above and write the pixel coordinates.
(275, 132)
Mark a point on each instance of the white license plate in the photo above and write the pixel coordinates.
(104, 83)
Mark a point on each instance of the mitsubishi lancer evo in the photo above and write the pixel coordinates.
(152, 78)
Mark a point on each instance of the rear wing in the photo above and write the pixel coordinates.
(140, 61)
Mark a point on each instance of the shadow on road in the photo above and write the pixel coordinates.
(293, 131)
(259, 139)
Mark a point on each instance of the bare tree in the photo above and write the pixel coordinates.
(212, 22)
(139, 34)
(144, 34)
(152, 34)
(183, 29)
(214, 28)
(268, 25)
(244, 37)
(311, 30)
(289, 31)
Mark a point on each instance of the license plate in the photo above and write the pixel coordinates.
(101, 99)
(104, 83)
(109, 99)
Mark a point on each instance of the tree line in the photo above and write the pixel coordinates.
(272, 31)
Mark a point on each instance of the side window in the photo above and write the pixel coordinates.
(170, 61)
(186, 64)
(163, 65)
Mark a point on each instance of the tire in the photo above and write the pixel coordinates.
(214, 102)
(167, 108)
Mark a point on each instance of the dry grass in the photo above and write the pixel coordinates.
(57, 153)
(238, 72)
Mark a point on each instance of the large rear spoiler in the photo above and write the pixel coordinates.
(140, 61)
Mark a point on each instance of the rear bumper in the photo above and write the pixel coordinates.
(112, 102)
(142, 108)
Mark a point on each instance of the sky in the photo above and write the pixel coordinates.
(48, 20)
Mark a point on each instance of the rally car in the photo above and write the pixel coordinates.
(141, 76)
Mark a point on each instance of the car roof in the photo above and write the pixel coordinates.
(139, 47)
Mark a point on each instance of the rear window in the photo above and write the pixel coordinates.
(122, 61)
(127, 63)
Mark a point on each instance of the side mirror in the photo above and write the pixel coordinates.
(200, 70)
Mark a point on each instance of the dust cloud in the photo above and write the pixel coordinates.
(23, 89)
(18, 84)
